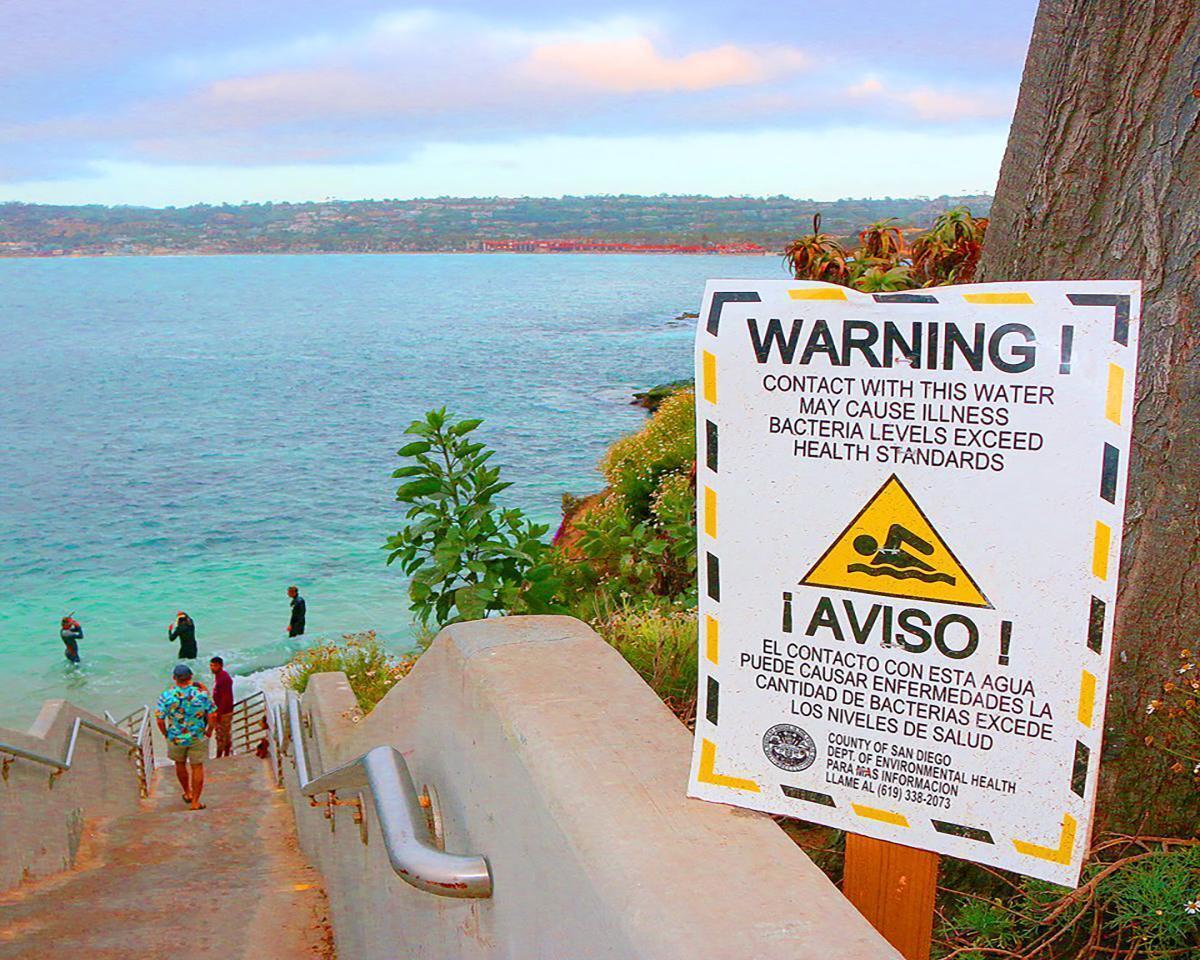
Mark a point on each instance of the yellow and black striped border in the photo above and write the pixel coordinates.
(1101, 560)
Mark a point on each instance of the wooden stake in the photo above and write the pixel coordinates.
(894, 888)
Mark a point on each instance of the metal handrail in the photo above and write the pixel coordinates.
(406, 834)
(65, 763)
(137, 724)
(145, 741)
(275, 739)
(242, 735)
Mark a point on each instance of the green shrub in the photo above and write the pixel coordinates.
(660, 644)
(635, 464)
(1139, 900)
(1149, 899)
(467, 556)
(986, 924)
(674, 511)
(371, 671)
(639, 540)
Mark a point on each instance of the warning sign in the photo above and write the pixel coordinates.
(891, 549)
(911, 511)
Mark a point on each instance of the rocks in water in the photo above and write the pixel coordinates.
(651, 399)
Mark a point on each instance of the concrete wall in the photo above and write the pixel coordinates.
(551, 757)
(41, 820)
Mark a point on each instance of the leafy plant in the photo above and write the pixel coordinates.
(882, 240)
(467, 556)
(818, 256)
(371, 671)
(638, 539)
(882, 262)
(949, 252)
(879, 277)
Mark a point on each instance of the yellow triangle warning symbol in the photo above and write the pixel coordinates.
(891, 549)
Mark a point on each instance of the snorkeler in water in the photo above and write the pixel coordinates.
(184, 630)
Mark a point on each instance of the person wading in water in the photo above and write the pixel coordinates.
(71, 633)
(184, 630)
(299, 610)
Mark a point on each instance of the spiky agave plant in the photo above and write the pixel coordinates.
(818, 256)
(881, 240)
(949, 252)
(879, 277)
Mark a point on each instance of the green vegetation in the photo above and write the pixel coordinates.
(371, 671)
(637, 540)
(1139, 900)
(467, 557)
(625, 562)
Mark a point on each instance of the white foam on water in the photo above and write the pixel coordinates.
(269, 681)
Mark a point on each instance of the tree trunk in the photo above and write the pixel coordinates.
(1101, 180)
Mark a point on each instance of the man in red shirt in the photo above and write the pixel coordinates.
(223, 698)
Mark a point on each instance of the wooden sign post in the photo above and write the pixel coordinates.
(894, 887)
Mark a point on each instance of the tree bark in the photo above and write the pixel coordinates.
(1101, 180)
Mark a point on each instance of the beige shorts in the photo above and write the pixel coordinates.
(193, 753)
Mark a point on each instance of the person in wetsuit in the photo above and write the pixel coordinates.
(184, 630)
(71, 633)
(299, 611)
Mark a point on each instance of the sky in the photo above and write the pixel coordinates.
(152, 103)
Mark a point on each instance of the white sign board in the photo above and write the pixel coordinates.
(910, 510)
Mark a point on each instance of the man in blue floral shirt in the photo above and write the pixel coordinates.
(186, 716)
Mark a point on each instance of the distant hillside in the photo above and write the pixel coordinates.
(445, 223)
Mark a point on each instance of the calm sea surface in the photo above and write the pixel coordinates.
(198, 433)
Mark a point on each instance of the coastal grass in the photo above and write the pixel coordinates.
(659, 642)
(372, 671)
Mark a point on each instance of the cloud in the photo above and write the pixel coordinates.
(933, 105)
(633, 65)
(314, 83)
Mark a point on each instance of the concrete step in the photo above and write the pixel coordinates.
(224, 883)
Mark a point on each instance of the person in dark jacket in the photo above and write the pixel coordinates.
(71, 633)
(184, 630)
(299, 610)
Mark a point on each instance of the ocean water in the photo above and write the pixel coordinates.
(197, 433)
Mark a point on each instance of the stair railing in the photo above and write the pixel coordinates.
(62, 766)
(246, 723)
(137, 725)
(411, 845)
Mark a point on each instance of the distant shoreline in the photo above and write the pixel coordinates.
(668, 225)
(106, 255)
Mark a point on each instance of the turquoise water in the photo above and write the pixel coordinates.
(198, 433)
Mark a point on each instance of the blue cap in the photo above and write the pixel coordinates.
(182, 671)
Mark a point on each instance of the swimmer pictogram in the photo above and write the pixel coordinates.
(892, 549)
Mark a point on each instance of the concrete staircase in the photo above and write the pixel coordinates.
(225, 883)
